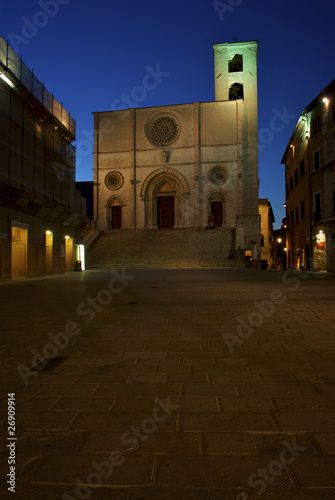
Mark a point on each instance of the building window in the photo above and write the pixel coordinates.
(296, 214)
(315, 125)
(287, 189)
(333, 202)
(301, 139)
(291, 183)
(291, 218)
(236, 92)
(302, 209)
(296, 176)
(236, 64)
(317, 204)
(316, 157)
(302, 167)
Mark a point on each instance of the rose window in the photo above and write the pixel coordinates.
(163, 130)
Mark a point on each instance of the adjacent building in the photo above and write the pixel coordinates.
(41, 212)
(267, 240)
(176, 167)
(309, 161)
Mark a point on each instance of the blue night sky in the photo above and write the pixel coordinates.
(90, 54)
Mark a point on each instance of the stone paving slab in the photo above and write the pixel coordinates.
(192, 417)
(123, 470)
(221, 471)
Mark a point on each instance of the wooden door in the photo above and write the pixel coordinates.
(116, 217)
(165, 212)
(217, 211)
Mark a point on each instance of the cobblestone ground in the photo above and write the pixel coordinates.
(176, 384)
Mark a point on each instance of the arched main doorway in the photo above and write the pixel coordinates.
(163, 193)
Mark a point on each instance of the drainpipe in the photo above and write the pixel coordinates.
(134, 160)
(97, 167)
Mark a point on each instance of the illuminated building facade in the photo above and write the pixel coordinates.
(169, 167)
(309, 161)
(267, 241)
(41, 213)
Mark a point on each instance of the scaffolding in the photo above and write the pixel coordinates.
(15, 73)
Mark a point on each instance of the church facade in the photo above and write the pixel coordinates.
(184, 166)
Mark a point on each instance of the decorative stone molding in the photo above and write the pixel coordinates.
(165, 156)
(114, 180)
(165, 173)
(114, 201)
(217, 196)
(163, 129)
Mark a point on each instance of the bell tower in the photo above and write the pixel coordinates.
(235, 66)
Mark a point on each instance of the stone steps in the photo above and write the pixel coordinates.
(163, 248)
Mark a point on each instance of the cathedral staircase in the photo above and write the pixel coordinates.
(163, 248)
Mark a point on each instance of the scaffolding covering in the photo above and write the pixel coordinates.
(13, 68)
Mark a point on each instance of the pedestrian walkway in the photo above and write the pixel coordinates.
(172, 384)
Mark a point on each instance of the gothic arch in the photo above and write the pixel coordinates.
(161, 182)
(165, 174)
(216, 196)
(114, 201)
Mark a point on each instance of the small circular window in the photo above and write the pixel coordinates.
(218, 176)
(114, 180)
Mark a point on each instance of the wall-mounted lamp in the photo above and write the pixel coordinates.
(325, 100)
(67, 237)
(48, 232)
